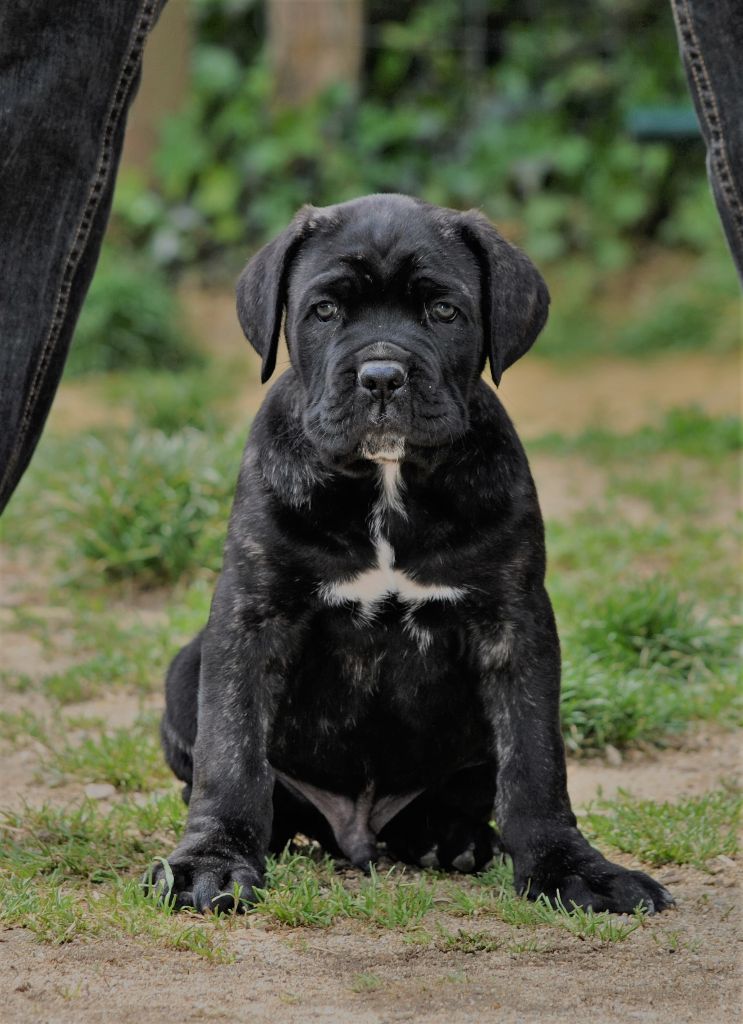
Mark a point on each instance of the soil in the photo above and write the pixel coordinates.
(682, 966)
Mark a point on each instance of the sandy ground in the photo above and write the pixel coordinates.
(681, 966)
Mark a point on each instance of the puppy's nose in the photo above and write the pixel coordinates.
(382, 377)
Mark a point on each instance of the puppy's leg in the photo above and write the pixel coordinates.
(246, 651)
(520, 682)
(448, 826)
(178, 724)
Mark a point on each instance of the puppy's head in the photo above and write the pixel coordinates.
(392, 308)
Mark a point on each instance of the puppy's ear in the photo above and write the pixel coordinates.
(261, 289)
(515, 299)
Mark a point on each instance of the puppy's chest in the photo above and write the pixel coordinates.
(384, 584)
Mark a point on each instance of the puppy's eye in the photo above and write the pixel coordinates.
(443, 311)
(326, 310)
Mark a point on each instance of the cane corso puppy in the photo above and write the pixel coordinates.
(380, 664)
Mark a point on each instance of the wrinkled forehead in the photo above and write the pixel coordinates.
(384, 248)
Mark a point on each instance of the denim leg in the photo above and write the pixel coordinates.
(68, 73)
(710, 34)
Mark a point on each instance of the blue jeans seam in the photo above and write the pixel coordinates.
(145, 18)
(717, 143)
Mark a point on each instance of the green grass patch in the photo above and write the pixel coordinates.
(67, 873)
(85, 844)
(74, 872)
(686, 430)
(300, 891)
(143, 506)
(640, 663)
(171, 402)
(366, 982)
(690, 831)
(128, 758)
(696, 308)
(18, 727)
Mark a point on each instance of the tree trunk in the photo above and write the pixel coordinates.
(164, 87)
(313, 44)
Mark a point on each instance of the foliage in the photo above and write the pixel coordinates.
(665, 302)
(518, 110)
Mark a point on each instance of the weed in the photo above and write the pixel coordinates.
(81, 843)
(18, 727)
(640, 662)
(299, 891)
(688, 832)
(469, 942)
(365, 982)
(604, 927)
(146, 506)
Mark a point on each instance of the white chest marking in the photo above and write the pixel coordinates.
(383, 580)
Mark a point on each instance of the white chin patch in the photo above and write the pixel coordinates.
(383, 449)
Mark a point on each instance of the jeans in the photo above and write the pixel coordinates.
(68, 72)
(710, 36)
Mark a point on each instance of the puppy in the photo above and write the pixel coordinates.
(381, 663)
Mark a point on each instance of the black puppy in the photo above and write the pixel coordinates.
(381, 661)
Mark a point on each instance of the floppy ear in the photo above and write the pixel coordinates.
(261, 289)
(515, 299)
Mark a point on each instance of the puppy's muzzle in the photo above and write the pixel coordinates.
(382, 377)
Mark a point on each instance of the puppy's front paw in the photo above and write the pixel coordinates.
(574, 874)
(194, 876)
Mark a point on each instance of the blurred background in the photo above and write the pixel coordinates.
(570, 127)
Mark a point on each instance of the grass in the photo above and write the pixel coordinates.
(647, 609)
(144, 505)
(641, 660)
(90, 751)
(129, 758)
(172, 402)
(301, 892)
(648, 613)
(685, 430)
(74, 872)
(365, 982)
(691, 831)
